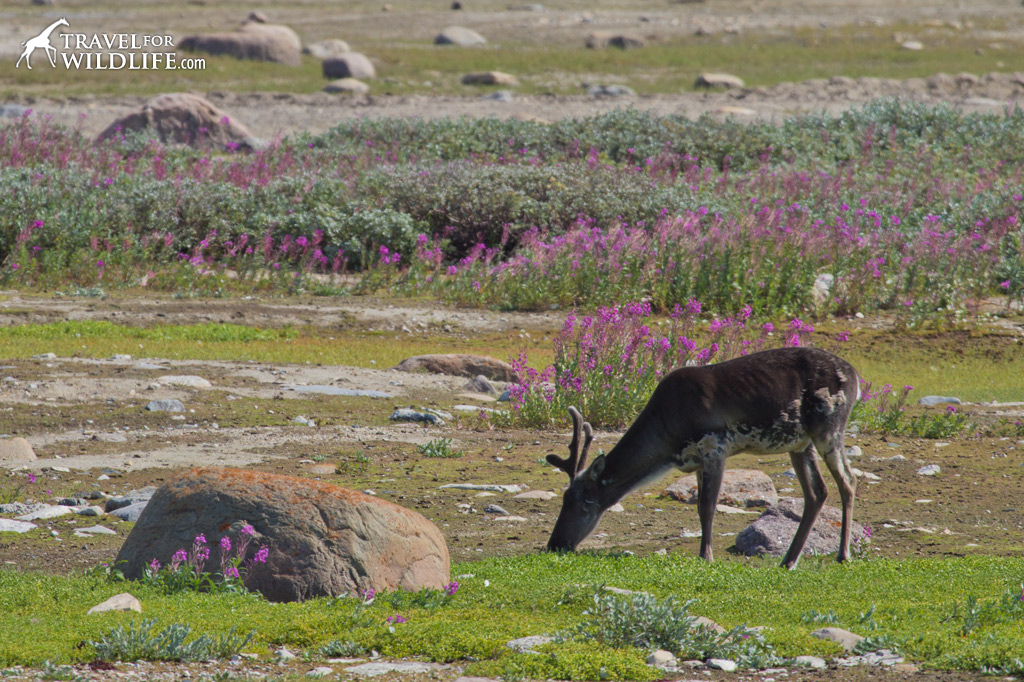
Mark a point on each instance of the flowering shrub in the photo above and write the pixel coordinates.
(186, 570)
(607, 365)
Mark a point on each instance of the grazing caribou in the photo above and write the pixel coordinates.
(794, 400)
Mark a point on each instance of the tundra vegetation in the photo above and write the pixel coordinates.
(662, 241)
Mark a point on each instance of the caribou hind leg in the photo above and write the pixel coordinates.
(835, 458)
(805, 464)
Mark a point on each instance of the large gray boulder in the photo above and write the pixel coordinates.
(325, 49)
(323, 540)
(183, 118)
(740, 488)
(772, 532)
(460, 365)
(253, 40)
(349, 65)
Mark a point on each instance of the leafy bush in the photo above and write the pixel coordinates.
(639, 620)
(138, 642)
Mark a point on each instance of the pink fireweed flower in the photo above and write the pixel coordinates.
(225, 544)
(1005, 285)
(200, 539)
(451, 588)
(368, 594)
(396, 619)
(261, 555)
(31, 477)
(231, 572)
(247, 530)
(154, 566)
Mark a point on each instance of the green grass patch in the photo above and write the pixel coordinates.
(213, 341)
(950, 613)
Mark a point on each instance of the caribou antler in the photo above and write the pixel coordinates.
(577, 459)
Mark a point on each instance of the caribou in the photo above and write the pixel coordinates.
(794, 400)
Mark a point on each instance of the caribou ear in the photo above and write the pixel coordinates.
(596, 468)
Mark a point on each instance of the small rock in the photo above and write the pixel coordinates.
(148, 366)
(166, 405)
(321, 671)
(525, 645)
(120, 357)
(929, 470)
(740, 488)
(480, 384)
(45, 356)
(185, 380)
(90, 511)
(498, 96)
(119, 602)
(853, 452)
(130, 498)
(462, 37)
(46, 512)
(283, 654)
(722, 664)
(491, 487)
(404, 414)
(912, 45)
(382, 668)
(490, 78)
(352, 86)
(612, 90)
(513, 519)
(98, 530)
(662, 659)
(326, 49)
(505, 396)
(810, 662)
(349, 65)
(12, 526)
(16, 450)
(495, 509)
(846, 639)
(131, 512)
(939, 400)
(704, 621)
(617, 508)
(718, 80)
(536, 495)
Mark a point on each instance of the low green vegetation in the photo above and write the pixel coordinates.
(948, 613)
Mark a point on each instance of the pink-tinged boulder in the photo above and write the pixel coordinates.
(459, 365)
(183, 118)
(740, 488)
(253, 40)
(772, 532)
(323, 540)
(16, 451)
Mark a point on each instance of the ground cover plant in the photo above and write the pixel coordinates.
(905, 208)
(962, 613)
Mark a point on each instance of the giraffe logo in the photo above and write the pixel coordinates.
(41, 41)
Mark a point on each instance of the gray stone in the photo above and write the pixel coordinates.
(929, 470)
(185, 380)
(90, 511)
(623, 41)
(166, 405)
(16, 451)
(490, 78)
(662, 659)
(480, 384)
(383, 668)
(120, 357)
(326, 49)
(321, 671)
(505, 396)
(611, 90)
(12, 526)
(525, 645)
(334, 390)
(45, 356)
(705, 622)
(47, 512)
(323, 540)
(12, 111)
(459, 36)
(718, 80)
(939, 400)
(253, 40)
(130, 513)
(98, 530)
(846, 639)
(130, 498)
(349, 65)
(821, 290)
(119, 602)
(488, 487)
(498, 96)
(352, 86)
(853, 452)
(148, 367)
(18, 508)
(810, 662)
(495, 509)
(772, 532)
(459, 364)
(536, 495)
(404, 414)
(882, 657)
(740, 488)
(722, 664)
